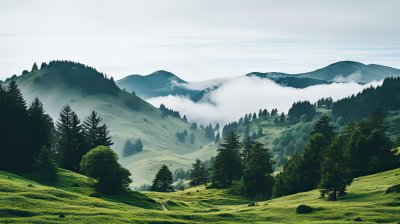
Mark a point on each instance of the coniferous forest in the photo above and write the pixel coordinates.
(187, 112)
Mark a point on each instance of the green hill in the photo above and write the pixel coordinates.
(159, 83)
(72, 200)
(127, 116)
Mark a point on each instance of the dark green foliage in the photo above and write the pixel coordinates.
(95, 133)
(70, 141)
(303, 209)
(209, 132)
(23, 131)
(393, 189)
(198, 173)
(34, 67)
(169, 112)
(130, 149)
(274, 112)
(301, 108)
(193, 126)
(336, 174)
(324, 103)
(163, 180)
(257, 178)
(45, 166)
(324, 127)
(227, 166)
(356, 107)
(101, 164)
(88, 78)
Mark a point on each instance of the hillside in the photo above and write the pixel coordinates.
(343, 71)
(68, 201)
(159, 83)
(127, 116)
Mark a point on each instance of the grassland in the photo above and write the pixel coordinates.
(73, 199)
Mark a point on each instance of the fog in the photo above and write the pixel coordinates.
(242, 95)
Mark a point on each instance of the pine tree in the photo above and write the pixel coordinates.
(163, 180)
(34, 67)
(63, 137)
(324, 127)
(258, 179)
(227, 165)
(96, 134)
(335, 173)
(198, 173)
(128, 149)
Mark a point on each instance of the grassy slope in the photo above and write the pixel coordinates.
(43, 204)
(157, 132)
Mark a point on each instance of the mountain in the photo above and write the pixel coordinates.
(128, 116)
(343, 71)
(159, 83)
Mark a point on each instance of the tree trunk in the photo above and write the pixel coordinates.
(334, 198)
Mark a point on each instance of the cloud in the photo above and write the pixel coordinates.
(355, 77)
(242, 95)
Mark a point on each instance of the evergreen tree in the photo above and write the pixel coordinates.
(96, 134)
(34, 67)
(227, 165)
(258, 179)
(163, 180)
(46, 166)
(335, 174)
(324, 127)
(128, 149)
(70, 142)
(282, 118)
(198, 174)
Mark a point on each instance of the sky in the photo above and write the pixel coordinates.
(198, 40)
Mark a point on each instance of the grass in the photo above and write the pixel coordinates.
(23, 200)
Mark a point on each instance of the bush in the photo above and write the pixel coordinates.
(101, 164)
(393, 189)
(303, 209)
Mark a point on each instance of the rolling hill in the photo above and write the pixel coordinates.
(159, 83)
(162, 83)
(72, 199)
(128, 116)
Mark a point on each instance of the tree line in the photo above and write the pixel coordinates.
(30, 142)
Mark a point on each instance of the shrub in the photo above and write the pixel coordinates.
(303, 209)
(101, 164)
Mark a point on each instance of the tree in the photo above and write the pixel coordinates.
(198, 173)
(335, 174)
(258, 179)
(163, 180)
(282, 118)
(34, 67)
(192, 138)
(96, 134)
(324, 127)
(70, 142)
(101, 164)
(45, 166)
(227, 165)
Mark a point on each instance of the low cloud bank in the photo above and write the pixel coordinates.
(239, 96)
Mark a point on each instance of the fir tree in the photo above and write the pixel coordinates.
(227, 165)
(198, 174)
(257, 179)
(163, 180)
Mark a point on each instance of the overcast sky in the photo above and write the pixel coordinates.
(198, 40)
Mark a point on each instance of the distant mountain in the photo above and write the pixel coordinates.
(343, 71)
(128, 116)
(163, 83)
(159, 83)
